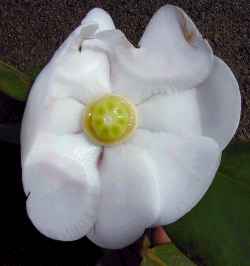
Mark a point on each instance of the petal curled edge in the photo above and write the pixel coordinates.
(129, 197)
(61, 181)
(131, 73)
(96, 20)
(71, 75)
(213, 109)
(185, 169)
(177, 48)
(172, 56)
(101, 18)
(219, 102)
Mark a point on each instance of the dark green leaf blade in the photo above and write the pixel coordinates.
(217, 231)
(165, 255)
(13, 82)
(35, 72)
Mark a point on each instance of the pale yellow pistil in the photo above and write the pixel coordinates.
(110, 120)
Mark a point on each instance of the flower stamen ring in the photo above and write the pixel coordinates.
(110, 120)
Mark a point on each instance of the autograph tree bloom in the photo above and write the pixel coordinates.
(116, 139)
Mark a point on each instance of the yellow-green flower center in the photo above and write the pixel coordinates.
(110, 120)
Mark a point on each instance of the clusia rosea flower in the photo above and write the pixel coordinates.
(116, 139)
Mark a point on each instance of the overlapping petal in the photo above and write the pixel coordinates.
(63, 116)
(129, 197)
(164, 63)
(212, 109)
(61, 180)
(185, 168)
(155, 180)
(79, 75)
(60, 175)
(177, 113)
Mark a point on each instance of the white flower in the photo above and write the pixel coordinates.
(188, 109)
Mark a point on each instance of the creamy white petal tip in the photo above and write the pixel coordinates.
(172, 38)
(101, 18)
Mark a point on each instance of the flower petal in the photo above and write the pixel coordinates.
(185, 169)
(63, 116)
(176, 48)
(220, 104)
(172, 56)
(97, 20)
(101, 18)
(60, 173)
(129, 197)
(83, 75)
(61, 180)
(125, 64)
(213, 109)
(128, 66)
(177, 113)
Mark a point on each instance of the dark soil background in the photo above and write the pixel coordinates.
(30, 31)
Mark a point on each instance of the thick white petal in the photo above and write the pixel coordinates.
(61, 180)
(213, 109)
(185, 169)
(220, 104)
(177, 113)
(168, 60)
(63, 116)
(97, 20)
(88, 70)
(176, 48)
(82, 76)
(59, 168)
(125, 63)
(101, 18)
(130, 197)
(133, 73)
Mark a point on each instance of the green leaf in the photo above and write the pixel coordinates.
(13, 82)
(217, 231)
(35, 72)
(165, 255)
(142, 253)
